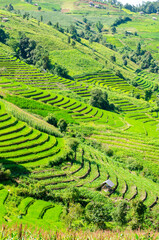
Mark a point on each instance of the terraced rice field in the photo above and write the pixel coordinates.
(21, 144)
(19, 71)
(32, 210)
(78, 110)
(146, 80)
(82, 86)
(32, 149)
(108, 80)
(90, 170)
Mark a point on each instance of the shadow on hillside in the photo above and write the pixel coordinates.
(16, 170)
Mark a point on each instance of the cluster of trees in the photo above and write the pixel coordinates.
(61, 124)
(89, 34)
(142, 58)
(99, 99)
(84, 208)
(102, 214)
(121, 20)
(146, 7)
(29, 51)
(56, 26)
(9, 7)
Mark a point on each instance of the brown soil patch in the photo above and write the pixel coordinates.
(65, 10)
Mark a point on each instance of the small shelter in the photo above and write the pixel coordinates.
(107, 185)
(5, 19)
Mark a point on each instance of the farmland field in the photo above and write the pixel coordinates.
(79, 120)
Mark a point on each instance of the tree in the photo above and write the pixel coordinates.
(62, 124)
(90, 40)
(10, 7)
(156, 109)
(26, 48)
(13, 44)
(113, 29)
(74, 216)
(41, 58)
(87, 27)
(41, 18)
(99, 26)
(69, 40)
(98, 214)
(113, 58)
(49, 23)
(3, 36)
(73, 43)
(125, 62)
(39, 8)
(120, 213)
(99, 99)
(73, 143)
(139, 210)
(60, 71)
(85, 20)
(138, 50)
(73, 30)
(148, 94)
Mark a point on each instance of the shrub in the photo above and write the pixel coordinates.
(4, 173)
(62, 124)
(133, 165)
(98, 214)
(113, 58)
(110, 152)
(51, 120)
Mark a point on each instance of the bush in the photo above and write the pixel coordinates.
(62, 124)
(120, 213)
(133, 165)
(119, 74)
(51, 120)
(110, 152)
(4, 173)
(98, 214)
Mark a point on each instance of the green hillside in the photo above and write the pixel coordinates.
(78, 106)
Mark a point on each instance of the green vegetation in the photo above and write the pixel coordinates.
(78, 106)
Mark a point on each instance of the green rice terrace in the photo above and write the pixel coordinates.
(79, 124)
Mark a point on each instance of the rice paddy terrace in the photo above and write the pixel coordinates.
(131, 135)
(31, 151)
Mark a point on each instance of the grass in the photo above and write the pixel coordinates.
(29, 233)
